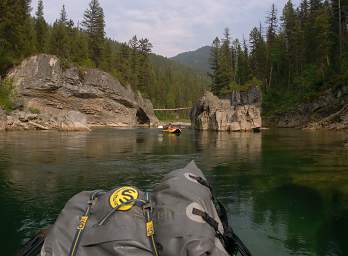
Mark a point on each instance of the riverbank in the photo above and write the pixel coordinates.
(41, 93)
(325, 110)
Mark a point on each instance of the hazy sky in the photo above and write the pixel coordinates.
(173, 26)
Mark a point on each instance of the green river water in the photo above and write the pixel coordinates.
(286, 191)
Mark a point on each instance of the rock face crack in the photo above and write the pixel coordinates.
(239, 111)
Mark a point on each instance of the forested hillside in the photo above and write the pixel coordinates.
(197, 60)
(300, 52)
(166, 83)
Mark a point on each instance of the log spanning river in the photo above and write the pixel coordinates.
(286, 190)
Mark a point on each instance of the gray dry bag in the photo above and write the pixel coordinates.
(99, 223)
(186, 220)
(180, 218)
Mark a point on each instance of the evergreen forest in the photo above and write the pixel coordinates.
(165, 82)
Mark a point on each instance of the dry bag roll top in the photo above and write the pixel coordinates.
(186, 221)
(100, 223)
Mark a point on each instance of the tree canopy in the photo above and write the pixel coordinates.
(295, 55)
(166, 83)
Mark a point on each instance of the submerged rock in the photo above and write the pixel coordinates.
(239, 111)
(73, 98)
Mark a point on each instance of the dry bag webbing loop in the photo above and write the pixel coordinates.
(150, 231)
(83, 223)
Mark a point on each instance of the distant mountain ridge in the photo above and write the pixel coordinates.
(197, 59)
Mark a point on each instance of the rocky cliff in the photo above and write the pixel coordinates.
(329, 111)
(49, 96)
(238, 111)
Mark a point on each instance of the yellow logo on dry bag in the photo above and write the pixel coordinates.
(149, 228)
(122, 196)
(83, 222)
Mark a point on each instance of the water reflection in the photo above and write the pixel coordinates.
(286, 191)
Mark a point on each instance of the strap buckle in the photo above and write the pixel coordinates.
(147, 206)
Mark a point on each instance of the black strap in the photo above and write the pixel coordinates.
(82, 224)
(201, 181)
(229, 239)
(205, 216)
(136, 202)
(206, 184)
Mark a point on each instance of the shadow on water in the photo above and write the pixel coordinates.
(286, 191)
(309, 220)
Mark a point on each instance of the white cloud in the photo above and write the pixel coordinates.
(173, 26)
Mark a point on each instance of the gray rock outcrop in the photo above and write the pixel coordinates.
(73, 121)
(73, 98)
(239, 111)
(3, 120)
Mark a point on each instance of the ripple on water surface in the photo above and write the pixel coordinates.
(286, 190)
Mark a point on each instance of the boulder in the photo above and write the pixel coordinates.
(79, 98)
(73, 121)
(239, 111)
(3, 120)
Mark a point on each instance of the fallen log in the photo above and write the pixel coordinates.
(39, 126)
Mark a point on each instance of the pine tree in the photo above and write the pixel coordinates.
(134, 61)
(243, 74)
(63, 18)
(215, 66)
(144, 74)
(245, 64)
(296, 58)
(16, 33)
(123, 64)
(272, 23)
(258, 61)
(59, 41)
(236, 50)
(322, 25)
(79, 48)
(292, 37)
(94, 25)
(315, 5)
(339, 35)
(41, 28)
(225, 62)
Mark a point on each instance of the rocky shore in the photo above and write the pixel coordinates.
(238, 111)
(47, 95)
(328, 111)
